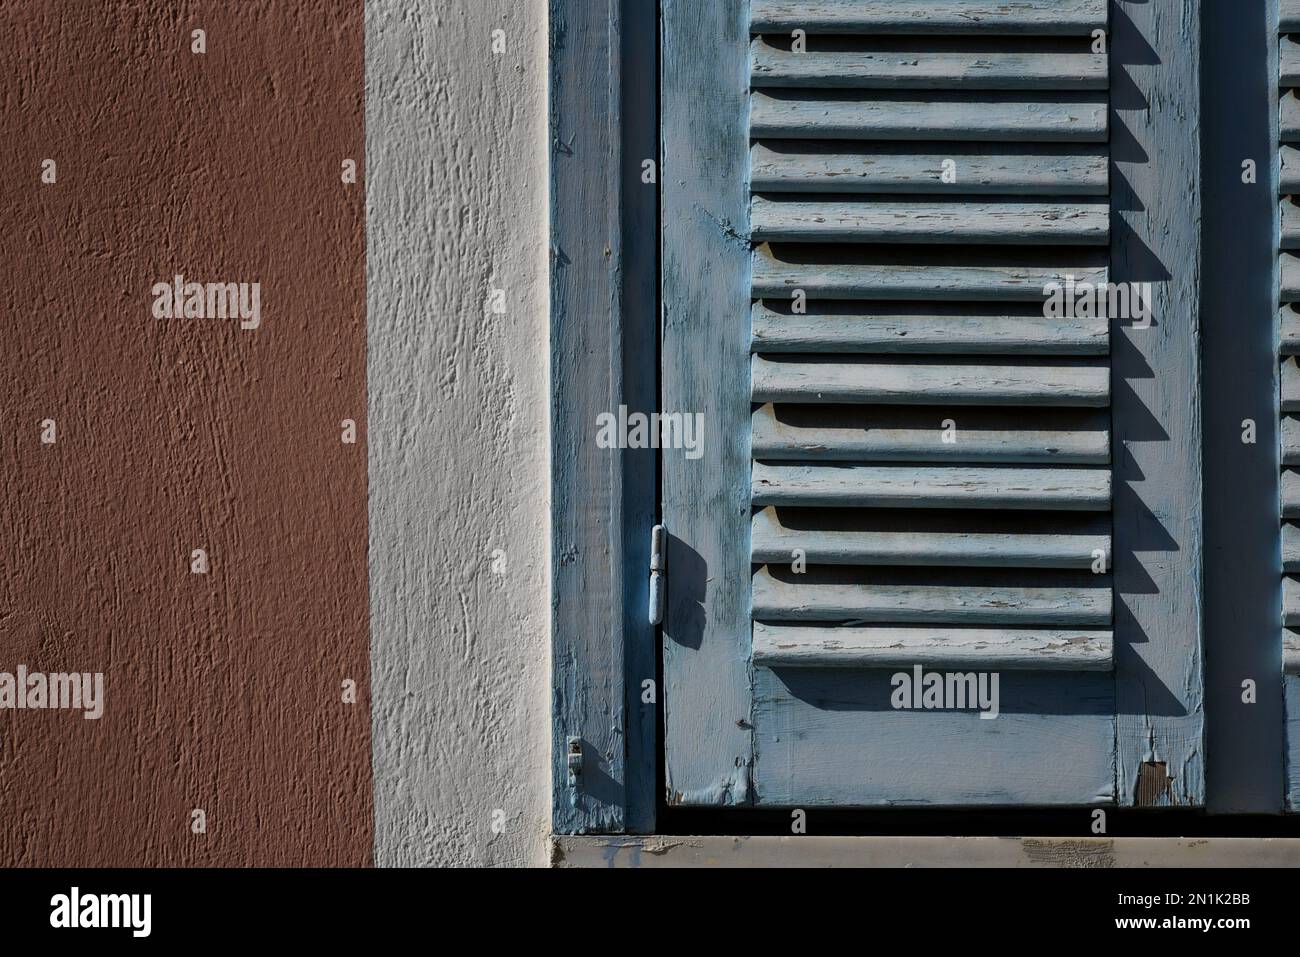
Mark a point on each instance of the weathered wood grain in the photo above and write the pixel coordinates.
(1155, 55)
(930, 382)
(936, 328)
(1290, 653)
(1289, 330)
(904, 544)
(935, 253)
(982, 649)
(1288, 63)
(1020, 118)
(1076, 223)
(891, 433)
(602, 292)
(1288, 14)
(1015, 169)
(777, 273)
(1290, 602)
(1289, 384)
(708, 688)
(1009, 17)
(1291, 709)
(1290, 493)
(865, 486)
(1052, 744)
(1290, 429)
(857, 597)
(1011, 69)
(1289, 117)
(1289, 284)
(1289, 216)
(1290, 547)
(1289, 181)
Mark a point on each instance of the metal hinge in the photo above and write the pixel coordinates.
(657, 575)
(573, 759)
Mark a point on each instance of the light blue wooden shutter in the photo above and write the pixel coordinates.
(884, 398)
(1289, 392)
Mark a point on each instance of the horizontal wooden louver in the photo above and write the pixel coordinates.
(931, 476)
(1018, 169)
(1003, 117)
(948, 17)
(1289, 16)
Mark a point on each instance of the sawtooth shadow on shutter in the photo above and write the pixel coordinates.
(1289, 375)
(931, 476)
(902, 357)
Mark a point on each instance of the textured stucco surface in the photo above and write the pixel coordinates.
(223, 690)
(456, 207)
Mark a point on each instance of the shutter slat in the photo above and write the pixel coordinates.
(1075, 223)
(1289, 63)
(1040, 17)
(858, 598)
(1289, 323)
(774, 540)
(964, 329)
(1290, 440)
(883, 69)
(1062, 118)
(1289, 16)
(928, 383)
(986, 649)
(1289, 183)
(1291, 644)
(1290, 493)
(1291, 548)
(778, 275)
(1290, 602)
(1290, 284)
(1009, 169)
(866, 486)
(898, 434)
(1289, 117)
(1289, 387)
(1290, 223)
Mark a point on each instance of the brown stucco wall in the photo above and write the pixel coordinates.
(222, 691)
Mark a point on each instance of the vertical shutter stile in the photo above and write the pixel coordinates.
(931, 479)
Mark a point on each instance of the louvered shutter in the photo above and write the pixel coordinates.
(864, 203)
(1289, 391)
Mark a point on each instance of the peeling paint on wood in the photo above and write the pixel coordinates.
(1154, 785)
(602, 331)
(1156, 404)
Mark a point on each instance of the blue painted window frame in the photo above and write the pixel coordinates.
(603, 124)
(603, 103)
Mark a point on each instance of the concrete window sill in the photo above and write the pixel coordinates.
(804, 851)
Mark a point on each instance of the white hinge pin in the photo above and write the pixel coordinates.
(657, 575)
